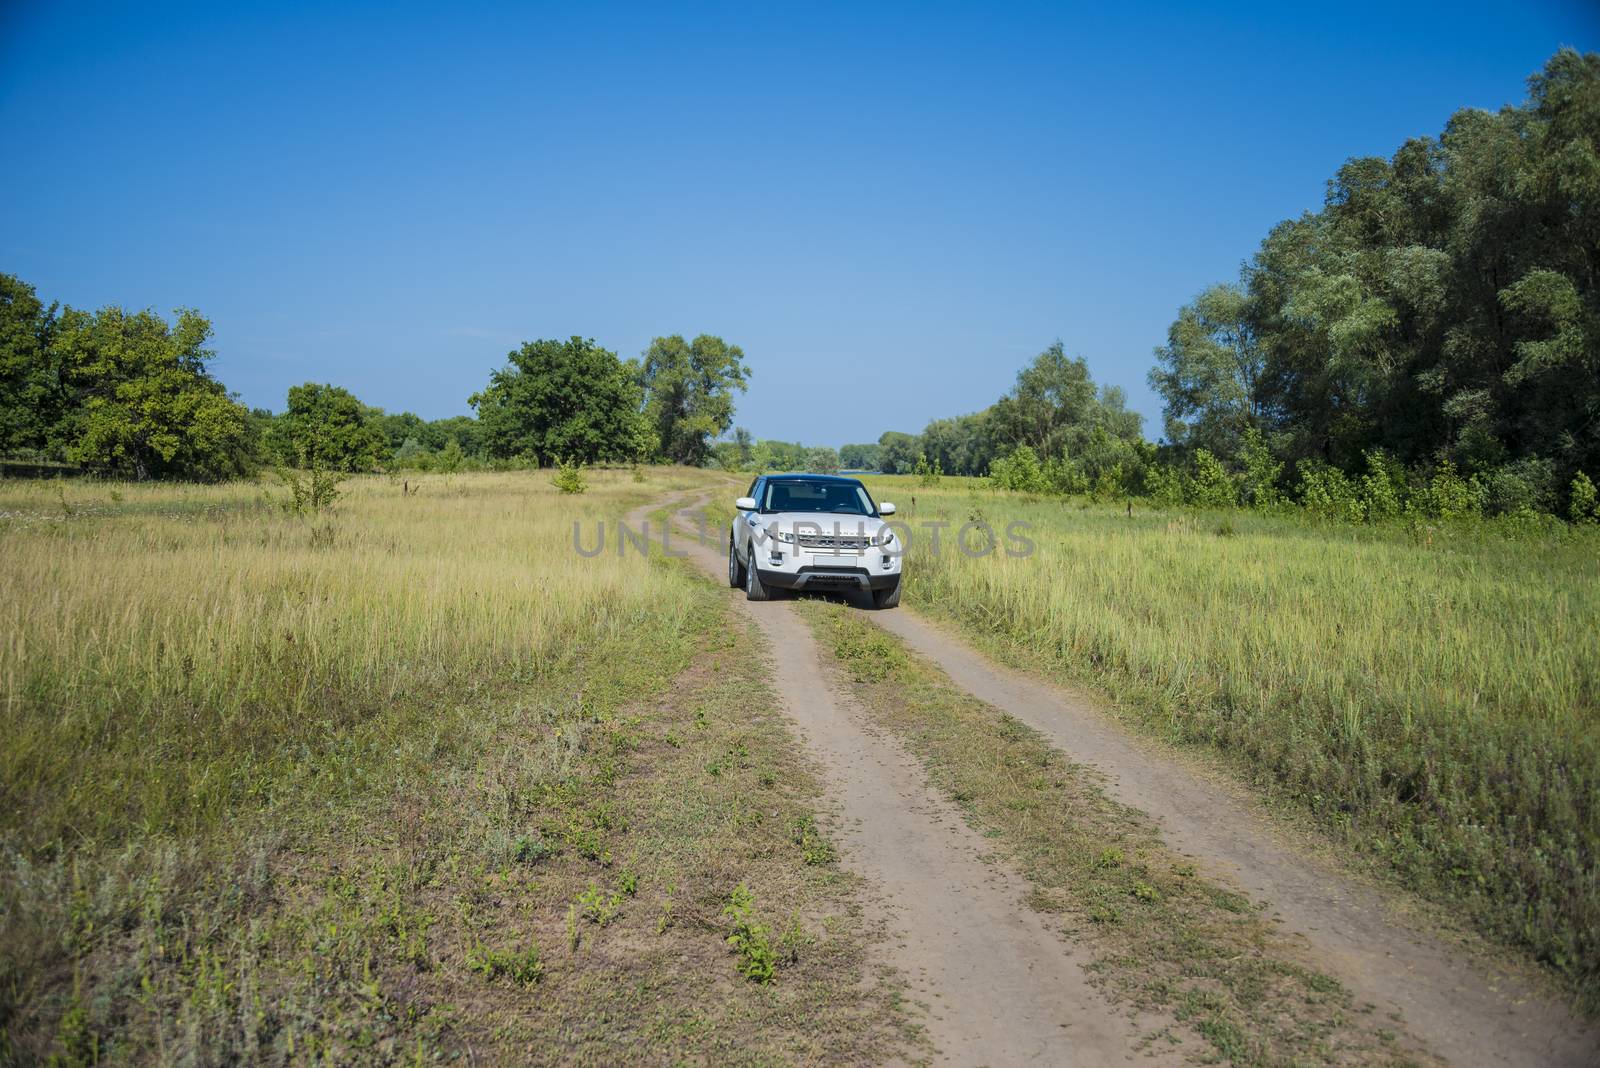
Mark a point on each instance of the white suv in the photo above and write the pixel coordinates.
(813, 532)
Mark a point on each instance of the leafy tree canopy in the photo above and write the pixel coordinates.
(564, 401)
(326, 426)
(140, 399)
(688, 390)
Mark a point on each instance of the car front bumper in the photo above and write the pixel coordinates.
(828, 577)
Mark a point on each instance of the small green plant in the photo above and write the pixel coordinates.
(814, 848)
(569, 477)
(312, 492)
(599, 907)
(664, 920)
(628, 883)
(520, 966)
(758, 961)
(794, 937)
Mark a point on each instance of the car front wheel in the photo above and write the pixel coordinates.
(735, 566)
(754, 588)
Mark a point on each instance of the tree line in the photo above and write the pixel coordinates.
(133, 395)
(1429, 339)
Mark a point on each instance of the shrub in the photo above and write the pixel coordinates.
(1383, 487)
(1327, 493)
(569, 477)
(1064, 475)
(1581, 503)
(1525, 485)
(1211, 486)
(313, 492)
(1165, 485)
(1448, 496)
(1259, 487)
(1020, 471)
(757, 959)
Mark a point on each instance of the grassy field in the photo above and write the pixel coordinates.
(397, 781)
(1431, 699)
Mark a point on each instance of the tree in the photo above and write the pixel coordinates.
(326, 426)
(1055, 407)
(822, 461)
(32, 399)
(897, 452)
(141, 401)
(688, 393)
(859, 457)
(743, 443)
(1210, 372)
(563, 401)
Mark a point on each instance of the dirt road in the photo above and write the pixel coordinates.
(999, 986)
(963, 922)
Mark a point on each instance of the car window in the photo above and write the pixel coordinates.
(834, 498)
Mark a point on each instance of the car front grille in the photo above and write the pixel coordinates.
(853, 543)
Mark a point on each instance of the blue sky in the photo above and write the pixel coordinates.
(891, 208)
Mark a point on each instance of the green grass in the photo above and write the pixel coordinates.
(288, 790)
(1429, 697)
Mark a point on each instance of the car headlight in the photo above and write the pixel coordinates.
(885, 538)
(783, 536)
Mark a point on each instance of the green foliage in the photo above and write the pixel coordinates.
(1326, 492)
(1019, 471)
(1055, 407)
(859, 457)
(521, 966)
(822, 461)
(897, 452)
(688, 393)
(313, 492)
(1259, 486)
(569, 399)
(1582, 506)
(140, 401)
(1409, 317)
(927, 474)
(451, 457)
(758, 961)
(32, 402)
(1211, 486)
(1448, 496)
(569, 477)
(327, 427)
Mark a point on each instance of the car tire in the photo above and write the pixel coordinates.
(735, 566)
(754, 588)
(887, 598)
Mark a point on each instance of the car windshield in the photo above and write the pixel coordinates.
(836, 498)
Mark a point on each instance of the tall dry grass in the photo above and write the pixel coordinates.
(170, 653)
(1430, 697)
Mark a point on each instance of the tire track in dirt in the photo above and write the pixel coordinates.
(1458, 1010)
(999, 985)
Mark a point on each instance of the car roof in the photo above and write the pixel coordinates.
(801, 476)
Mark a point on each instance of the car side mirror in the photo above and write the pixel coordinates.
(885, 508)
(745, 504)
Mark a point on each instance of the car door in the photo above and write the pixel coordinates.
(741, 520)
